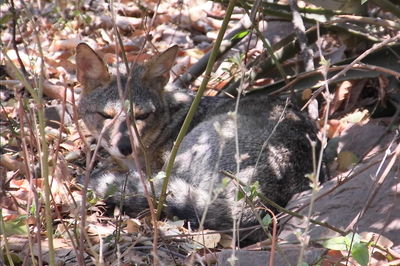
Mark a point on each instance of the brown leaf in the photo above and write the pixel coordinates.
(355, 93)
(56, 91)
(306, 94)
(333, 257)
(335, 127)
(340, 94)
(68, 44)
(206, 239)
(133, 225)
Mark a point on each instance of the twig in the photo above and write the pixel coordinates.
(6, 248)
(229, 41)
(267, 201)
(368, 20)
(377, 186)
(360, 66)
(306, 53)
(317, 169)
(352, 64)
(265, 42)
(14, 41)
(28, 173)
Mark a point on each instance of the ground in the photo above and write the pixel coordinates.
(359, 118)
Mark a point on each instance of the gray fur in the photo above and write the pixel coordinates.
(208, 147)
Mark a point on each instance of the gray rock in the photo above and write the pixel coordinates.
(341, 207)
(289, 256)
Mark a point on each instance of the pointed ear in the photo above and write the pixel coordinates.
(160, 65)
(91, 70)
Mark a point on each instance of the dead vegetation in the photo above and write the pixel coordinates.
(341, 65)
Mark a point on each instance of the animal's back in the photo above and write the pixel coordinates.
(274, 148)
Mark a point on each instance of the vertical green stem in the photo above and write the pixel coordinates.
(3, 231)
(195, 104)
(45, 175)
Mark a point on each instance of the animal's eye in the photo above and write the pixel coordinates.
(105, 115)
(142, 116)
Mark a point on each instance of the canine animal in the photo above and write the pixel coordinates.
(273, 141)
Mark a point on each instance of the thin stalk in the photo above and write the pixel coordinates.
(317, 170)
(195, 104)
(45, 161)
(3, 230)
(29, 175)
(264, 40)
(236, 220)
(44, 154)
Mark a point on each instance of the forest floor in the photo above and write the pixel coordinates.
(37, 73)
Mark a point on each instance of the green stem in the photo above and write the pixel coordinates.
(3, 231)
(195, 104)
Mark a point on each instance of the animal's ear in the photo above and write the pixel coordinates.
(159, 66)
(91, 70)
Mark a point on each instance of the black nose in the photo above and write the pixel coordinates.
(124, 145)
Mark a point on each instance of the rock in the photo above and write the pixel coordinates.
(290, 257)
(341, 207)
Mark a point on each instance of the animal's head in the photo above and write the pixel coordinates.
(101, 102)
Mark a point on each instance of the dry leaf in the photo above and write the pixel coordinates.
(357, 116)
(335, 127)
(68, 44)
(376, 238)
(226, 241)
(133, 225)
(346, 159)
(340, 94)
(206, 239)
(306, 94)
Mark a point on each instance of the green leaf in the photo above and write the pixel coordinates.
(127, 105)
(363, 1)
(360, 253)
(15, 227)
(241, 35)
(5, 19)
(15, 258)
(349, 238)
(32, 209)
(225, 181)
(266, 220)
(336, 243)
(240, 195)
(253, 190)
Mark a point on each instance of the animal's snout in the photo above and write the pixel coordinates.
(124, 145)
